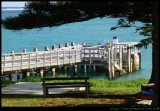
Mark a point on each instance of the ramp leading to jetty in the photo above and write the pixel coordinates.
(33, 88)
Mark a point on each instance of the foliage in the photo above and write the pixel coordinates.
(38, 14)
(32, 79)
(5, 83)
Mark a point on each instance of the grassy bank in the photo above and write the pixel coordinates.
(103, 92)
(118, 87)
(103, 85)
(5, 83)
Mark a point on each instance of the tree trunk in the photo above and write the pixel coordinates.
(155, 56)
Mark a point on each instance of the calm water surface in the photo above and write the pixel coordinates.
(91, 32)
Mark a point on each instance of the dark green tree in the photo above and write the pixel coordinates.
(38, 14)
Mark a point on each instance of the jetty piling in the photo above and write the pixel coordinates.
(12, 77)
(75, 70)
(65, 70)
(53, 72)
(120, 61)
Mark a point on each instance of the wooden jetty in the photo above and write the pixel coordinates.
(121, 57)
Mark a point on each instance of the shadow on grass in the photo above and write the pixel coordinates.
(128, 100)
(20, 96)
(74, 95)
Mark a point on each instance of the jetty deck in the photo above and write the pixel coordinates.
(123, 57)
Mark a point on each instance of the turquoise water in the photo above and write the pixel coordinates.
(91, 32)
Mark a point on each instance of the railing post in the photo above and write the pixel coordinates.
(84, 53)
(4, 65)
(75, 55)
(69, 56)
(46, 48)
(63, 56)
(21, 61)
(72, 44)
(24, 50)
(29, 60)
(81, 55)
(44, 59)
(66, 45)
(36, 50)
(57, 57)
(83, 44)
(98, 53)
(13, 60)
(60, 45)
(90, 56)
(51, 58)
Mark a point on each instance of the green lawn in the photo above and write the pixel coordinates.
(103, 92)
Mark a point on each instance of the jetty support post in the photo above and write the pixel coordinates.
(120, 61)
(53, 71)
(3, 76)
(65, 70)
(123, 59)
(129, 58)
(131, 65)
(41, 73)
(112, 63)
(75, 70)
(12, 77)
(94, 68)
(18, 76)
(23, 74)
(139, 53)
(9, 75)
(85, 70)
(132, 57)
(28, 74)
(109, 64)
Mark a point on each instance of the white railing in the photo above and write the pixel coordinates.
(19, 61)
(70, 55)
